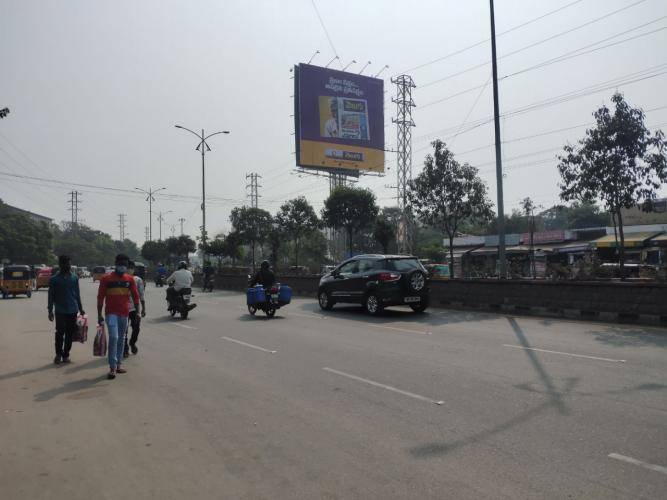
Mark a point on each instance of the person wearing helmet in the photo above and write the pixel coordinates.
(179, 279)
(265, 276)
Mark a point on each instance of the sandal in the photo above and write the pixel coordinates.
(112, 375)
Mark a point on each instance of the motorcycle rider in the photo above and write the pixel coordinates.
(179, 279)
(160, 273)
(265, 276)
(208, 276)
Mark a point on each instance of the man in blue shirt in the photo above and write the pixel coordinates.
(64, 294)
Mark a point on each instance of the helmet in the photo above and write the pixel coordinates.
(182, 265)
(266, 265)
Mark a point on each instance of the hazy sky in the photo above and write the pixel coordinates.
(95, 89)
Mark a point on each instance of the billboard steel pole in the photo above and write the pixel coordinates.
(502, 271)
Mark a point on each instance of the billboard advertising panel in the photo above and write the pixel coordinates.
(339, 119)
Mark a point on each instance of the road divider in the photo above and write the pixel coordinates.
(383, 386)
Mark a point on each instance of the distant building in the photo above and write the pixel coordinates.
(651, 213)
(35, 217)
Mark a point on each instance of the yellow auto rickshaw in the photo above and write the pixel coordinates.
(16, 280)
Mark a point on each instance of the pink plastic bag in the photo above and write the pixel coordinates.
(100, 343)
(81, 329)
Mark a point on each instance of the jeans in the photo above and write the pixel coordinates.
(65, 329)
(117, 327)
(135, 323)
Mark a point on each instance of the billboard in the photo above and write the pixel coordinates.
(339, 120)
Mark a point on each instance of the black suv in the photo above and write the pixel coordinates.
(376, 281)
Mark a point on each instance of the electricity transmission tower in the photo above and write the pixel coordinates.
(404, 123)
(121, 226)
(254, 189)
(146, 233)
(181, 220)
(74, 208)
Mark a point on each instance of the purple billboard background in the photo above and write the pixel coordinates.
(313, 81)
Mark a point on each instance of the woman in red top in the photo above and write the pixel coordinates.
(116, 289)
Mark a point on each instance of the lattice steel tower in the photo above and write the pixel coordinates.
(253, 186)
(404, 123)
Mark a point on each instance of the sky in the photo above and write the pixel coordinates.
(95, 89)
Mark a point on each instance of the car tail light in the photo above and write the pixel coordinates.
(389, 277)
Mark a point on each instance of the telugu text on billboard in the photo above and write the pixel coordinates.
(339, 119)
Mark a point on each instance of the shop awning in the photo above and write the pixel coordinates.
(461, 251)
(573, 247)
(658, 241)
(631, 240)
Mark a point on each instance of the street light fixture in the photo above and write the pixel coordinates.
(150, 199)
(203, 147)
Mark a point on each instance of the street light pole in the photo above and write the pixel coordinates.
(204, 147)
(150, 199)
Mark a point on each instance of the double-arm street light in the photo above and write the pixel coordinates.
(203, 147)
(150, 199)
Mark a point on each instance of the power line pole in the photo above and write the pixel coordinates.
(404, 124)
(74, 208)
(502, 270)
(160, 219)
(181, 220)
(121, 226)
(146, 234)
(254, 189)
(150, 199)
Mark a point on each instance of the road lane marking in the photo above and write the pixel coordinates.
(240, 342)
(383, 386)
(565, 353)
(634, 461)
(185, 326)
(402, 330)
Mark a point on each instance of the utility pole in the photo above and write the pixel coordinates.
(181, 220)
(150, 199)
(502, 269)
(254, 189)
(146, 234)
(160, 219)
(404, 124)
(203, 147)
(121, 226)
(74, 208)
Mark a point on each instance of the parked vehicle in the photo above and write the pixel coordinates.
(268, 300)
(98, 272)
(43, 277)
(16, 280)
(376, 282)
(180, 303)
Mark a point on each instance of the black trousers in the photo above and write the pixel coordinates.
(65, 330)
(135, 324)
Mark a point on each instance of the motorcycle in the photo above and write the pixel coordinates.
(207, 284)
(159, 280)
(268, 300)
(179, 302)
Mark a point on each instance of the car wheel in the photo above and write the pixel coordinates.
(373, 304)
(418, 308)
(325, 301)
(417, 281)
(252, 310)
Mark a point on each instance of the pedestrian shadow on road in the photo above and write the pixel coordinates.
(555, 400)
(260, 316)
(622, 336)
(20, 373)
(69, 387)
(93, 363)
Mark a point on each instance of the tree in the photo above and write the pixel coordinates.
(275, 240)
(154, 251)
(619, 163)
(351, 209)
(384, 232)
(128, 247)
(252, 225)
(181, 246)
(23, 240)
(86, 246)
(447, 193)
(232, 246)
(297, 218)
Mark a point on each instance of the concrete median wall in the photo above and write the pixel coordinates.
(644, 303)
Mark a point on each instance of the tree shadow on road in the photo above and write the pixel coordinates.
(20, 373)
(69, 387)
(622, 336)
(556, 400)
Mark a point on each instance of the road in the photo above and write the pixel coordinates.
(448, 404)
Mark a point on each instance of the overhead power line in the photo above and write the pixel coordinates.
(326, 32)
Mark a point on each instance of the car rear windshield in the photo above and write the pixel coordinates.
(404, 265)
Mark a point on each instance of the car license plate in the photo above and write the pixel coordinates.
(409, 300)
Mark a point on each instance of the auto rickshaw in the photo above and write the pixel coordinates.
(98, 272)
(43, 277)
(16, 280)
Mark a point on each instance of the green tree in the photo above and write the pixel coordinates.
(86, 246)
(181, 246)
(252, 225)
(384, 232)
(216, 247)
(23, 240)
(447, 193)
(351, 209)
(233, 242)
(275, 241)
(297, 218)
(128, 247)
(154, 251)
(619, 163)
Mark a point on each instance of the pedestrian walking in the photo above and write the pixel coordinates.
(64, 294)
(116, 290)
(135, 315)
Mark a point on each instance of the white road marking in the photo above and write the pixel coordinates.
(311, 316)
(186, 326)
(634, 461)
(240, 342)
(383, 386)
(565, 353)
(402, 330)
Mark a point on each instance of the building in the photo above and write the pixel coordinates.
(654, 212)
(31, 215)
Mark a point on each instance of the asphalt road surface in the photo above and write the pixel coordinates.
(337, 405)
